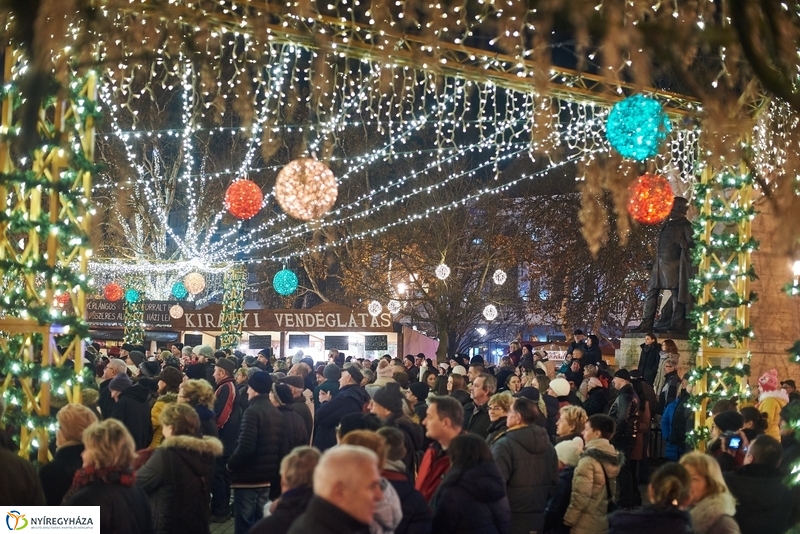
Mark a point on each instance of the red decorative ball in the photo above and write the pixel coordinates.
(113, 292)
(651, 199)
(243, 199)
(63, 299)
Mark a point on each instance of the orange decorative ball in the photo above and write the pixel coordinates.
(113, 292)
(651, 199)
(243, 199)
(63, 299)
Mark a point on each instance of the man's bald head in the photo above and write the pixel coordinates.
(347, 476)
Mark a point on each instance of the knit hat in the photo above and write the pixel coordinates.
(250, 361)
(297, 357)
(477, 360)
(420, 390)
(293, 380)
(196, 371)
(284, 394)
(623, 374)
(560, 387)
(459, 369)
(390, 397)
(128, 346)
(529, 392)
(121, 382)
(149, 369)
(569, 451)
(332, 372)
(459, 359)
(769, 381)
(226, 364)
(355, 373)
(729, 421)
(261, 382)
(204, 350)
(172, 377)
(385, 372)
(262, 352)
(136, 357)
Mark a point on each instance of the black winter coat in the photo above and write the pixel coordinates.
(595, 402)
(300, 407)
(413, 437)
(476, 419)
(258, 453)
(288, 508)
(133, 410)
(625, 413)
(294, 430)
(177, 481)
(104, 400)
(650, 520)
(416, 514)
(558, 503)
(123, 509)
(350, 399)
(529, 465)
(19, 484)
(208, 421)
(649, 360)
(551, 403)
(592, 356)
(462, 396)
(764, 504)
(57, 476)
(227, 409)
(471, 501)
(497, 430)
(321, 517)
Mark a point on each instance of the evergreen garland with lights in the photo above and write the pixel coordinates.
(133, 315)
(234, 285)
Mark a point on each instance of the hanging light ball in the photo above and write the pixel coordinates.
(490, 312)
(637, 126)
(285, 282)
(63, 299)
(306, 189)
(374, 308)
(194, 283)
(442, 271)
(113, 292)
(499, 277)
(243, 199)
(176, 311)
(393, 306)
(179, 290)
(651, 199)
(132, 296)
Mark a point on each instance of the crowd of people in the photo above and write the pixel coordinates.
(177, 441)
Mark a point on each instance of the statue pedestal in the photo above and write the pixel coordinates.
(627, 354)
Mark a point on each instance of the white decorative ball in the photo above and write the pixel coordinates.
(442, 271)
(176, 312)
(306, 189)
(374, 308)
(195, 283)
(499, 277)
(393, 306)
(490, 312)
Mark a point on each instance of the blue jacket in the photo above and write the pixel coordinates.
(350, 399)
(558, 503)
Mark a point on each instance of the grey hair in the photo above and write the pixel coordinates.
(118, 365)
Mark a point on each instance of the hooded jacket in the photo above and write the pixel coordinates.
(471, 501)
(133, 410)
(177, 481)
(350, 399)
(529, 465)
(764, 503)
(588, 504)
(714, 515)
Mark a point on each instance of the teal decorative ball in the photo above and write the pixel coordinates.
(637, 126)
(179, 290)
(132, 296)
(285, 282)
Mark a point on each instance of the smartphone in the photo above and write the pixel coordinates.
(735, 442)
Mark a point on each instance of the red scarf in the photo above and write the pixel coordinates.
(108, 475)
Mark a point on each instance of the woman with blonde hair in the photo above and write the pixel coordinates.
(199, 395)
(106, 480)
(713, 505)
(571, 423)
(56, 476)
(499, 405)
(177, 477)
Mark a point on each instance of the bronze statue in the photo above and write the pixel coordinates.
(671, 270)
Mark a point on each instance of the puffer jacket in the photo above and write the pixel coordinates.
(177, 481)
(155, 413)
(771, 403)
(714, 515)
(625, 413)
(596, 401)
(257, 456)
(350, 399)
(471, 501)
(529, 465)
(588, 504)
(133, 410)
(559, 502)
(294, 434)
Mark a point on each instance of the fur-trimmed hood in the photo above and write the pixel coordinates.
(779, 394)
(197, 454)
(207, 445)
(708, 511)
(604, 452)
(168, 397)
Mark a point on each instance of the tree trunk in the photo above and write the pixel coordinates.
(441, 351)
